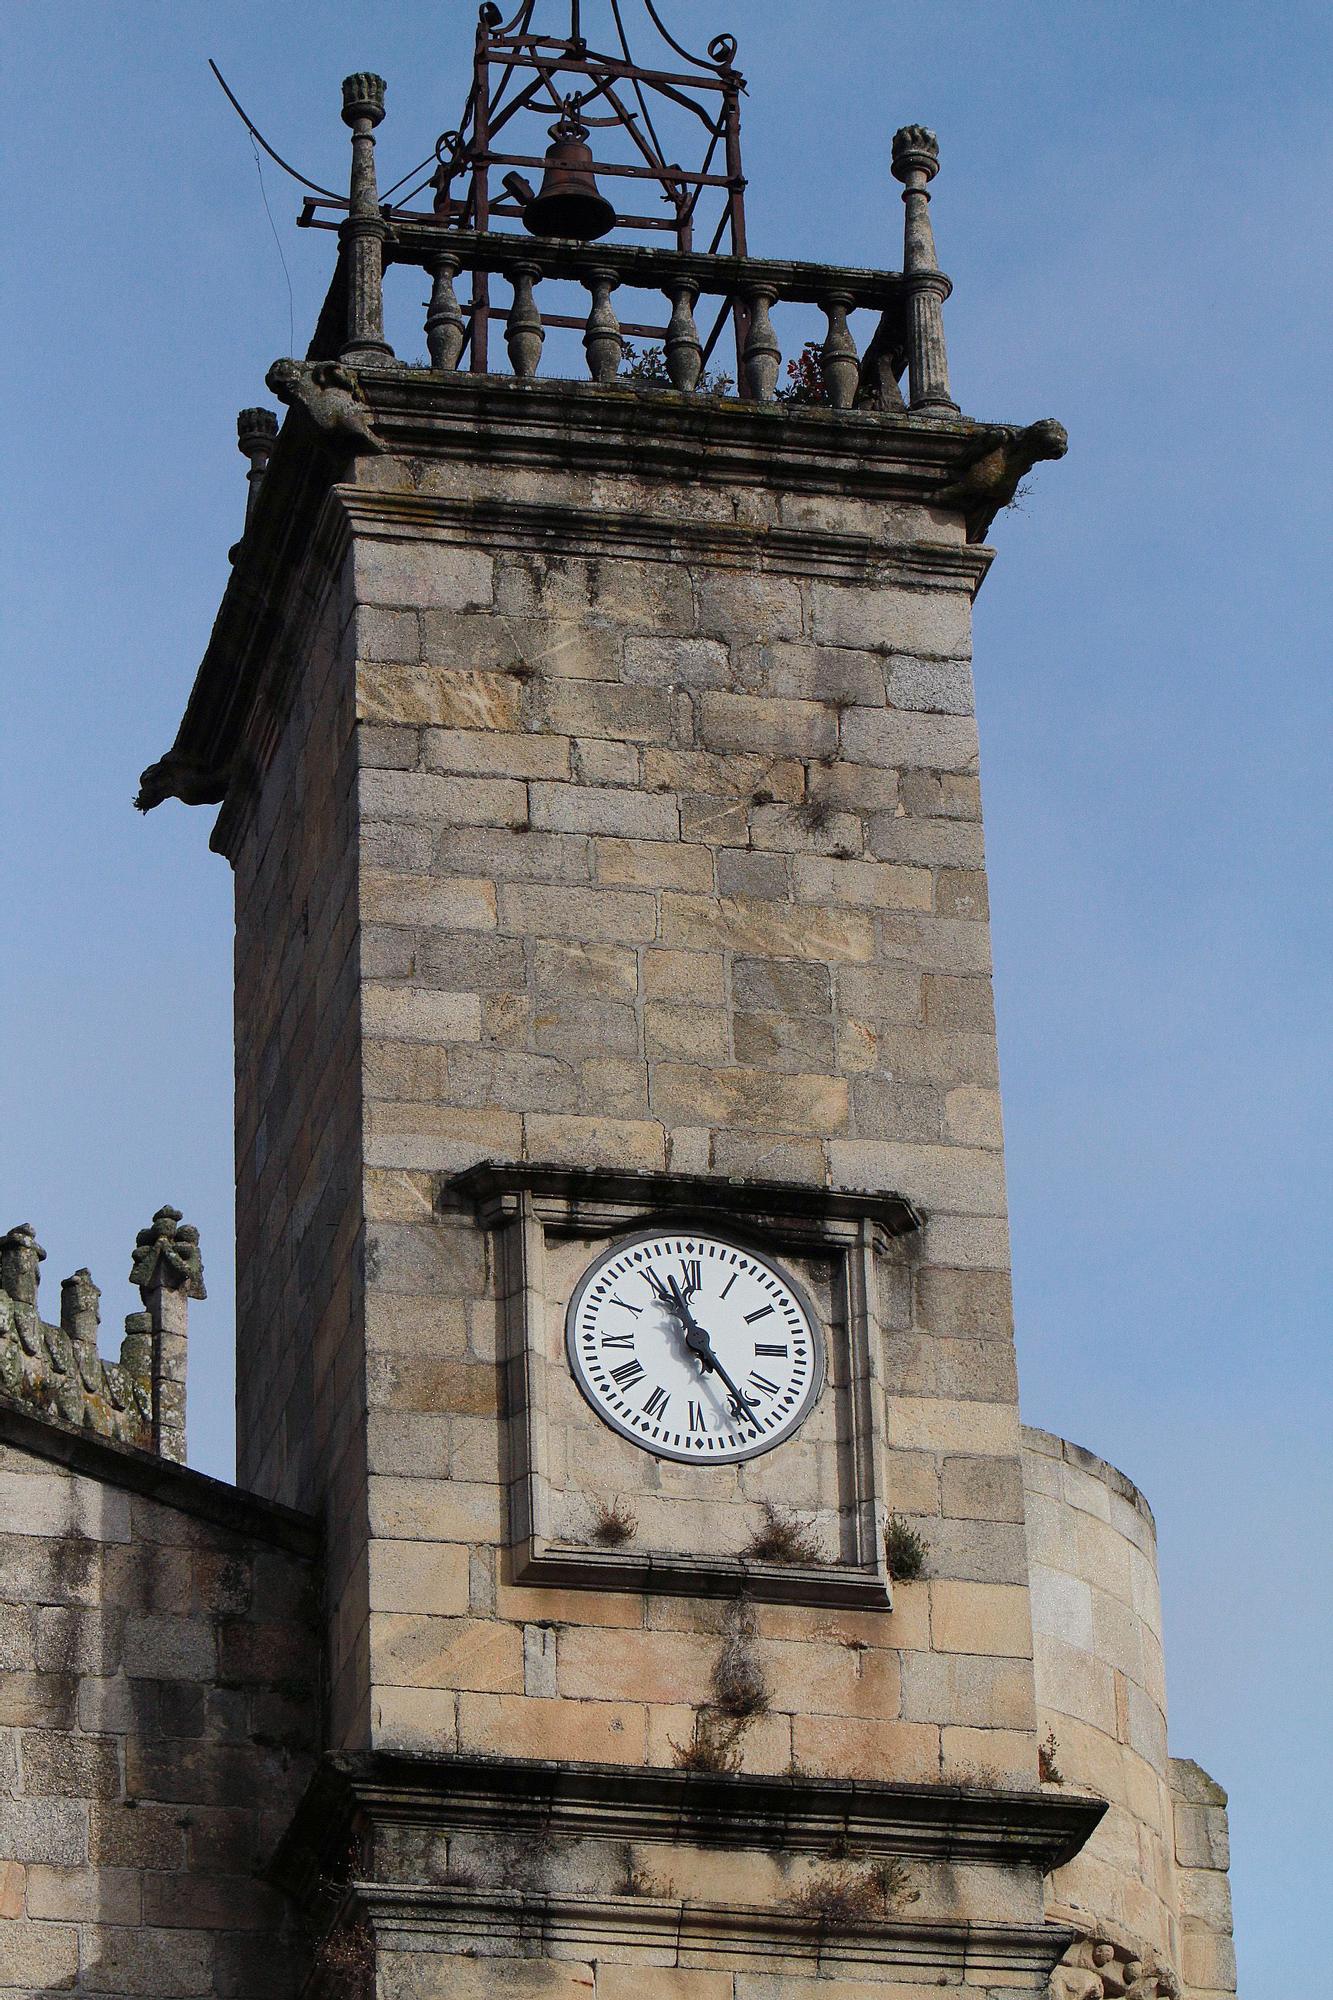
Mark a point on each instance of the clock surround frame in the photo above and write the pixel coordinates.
(521, 1205)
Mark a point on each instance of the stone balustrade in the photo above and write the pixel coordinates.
(743, 292)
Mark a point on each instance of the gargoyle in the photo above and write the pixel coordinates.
(991, 477)
(331, 397)
(178, 777)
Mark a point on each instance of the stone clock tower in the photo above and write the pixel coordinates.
(621, 1222)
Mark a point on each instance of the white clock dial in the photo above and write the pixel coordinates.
(694, 1348)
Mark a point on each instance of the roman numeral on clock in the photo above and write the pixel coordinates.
(618, 1340)
(636, 1310)
(774, 1352)
(697, 1417)
(627, 1374)
(693, 1274)
(656, 1403)
(763, 1313)
(762, 1382)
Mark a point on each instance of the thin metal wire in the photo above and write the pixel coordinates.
(420, 167)
(259, 138)
(282, 256)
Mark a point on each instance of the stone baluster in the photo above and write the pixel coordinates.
(364, 231)
(762, 353)
(169, 1272)
(446, 331)
(525, 335)
(256, 435)
(841, 366)
(684, 349)
(916, 161)
(602, 341)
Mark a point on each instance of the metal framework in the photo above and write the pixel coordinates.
(518, 72)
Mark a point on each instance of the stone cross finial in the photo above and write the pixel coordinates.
(916, 161)
(256, 435)
(21, 1258)
(364, 231)
(169, 1272)
(167, 1254)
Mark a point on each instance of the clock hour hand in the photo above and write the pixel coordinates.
(700, 1344)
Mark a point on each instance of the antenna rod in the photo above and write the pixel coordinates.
(575, 24)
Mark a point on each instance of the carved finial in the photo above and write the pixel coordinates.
(79, 1306)
(916, 161)
(256, 431)
(363, 97)
(915, 150)
(167, 1254)
(364, 231)
(256, 434)
(21, 1256)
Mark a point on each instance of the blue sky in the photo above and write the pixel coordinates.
(1134, 207)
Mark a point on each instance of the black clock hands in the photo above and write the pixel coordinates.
(700, 1344)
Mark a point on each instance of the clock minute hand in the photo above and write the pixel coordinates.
(699, 1343)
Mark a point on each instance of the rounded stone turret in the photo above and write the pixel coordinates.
(1101, 1691)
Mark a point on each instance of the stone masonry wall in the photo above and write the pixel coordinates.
(158, 1711)
(300, 1372)
(676, 864)
(1203, 1884)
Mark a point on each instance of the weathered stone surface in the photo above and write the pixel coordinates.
(620, 816)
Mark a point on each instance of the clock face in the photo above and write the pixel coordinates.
(694, 1348)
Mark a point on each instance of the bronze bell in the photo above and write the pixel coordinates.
(569, 202)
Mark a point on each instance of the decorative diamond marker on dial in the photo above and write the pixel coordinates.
(694, 1348)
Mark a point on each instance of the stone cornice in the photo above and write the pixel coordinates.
(460, 1920)
(692, 441)
(597, 1199)
(800, 1815)
(561, 530)
(160, 1480)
